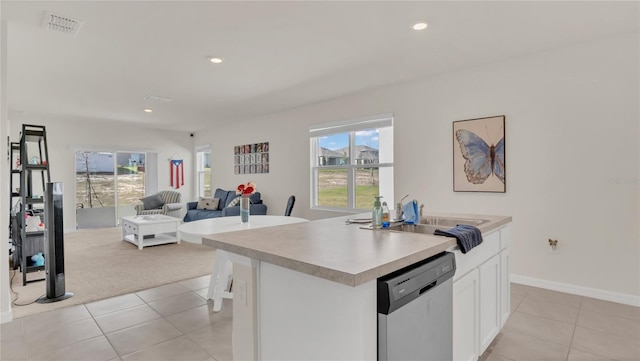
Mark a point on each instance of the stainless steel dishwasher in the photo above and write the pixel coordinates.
(415, 320)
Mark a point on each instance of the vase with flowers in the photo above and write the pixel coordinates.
(245, 190)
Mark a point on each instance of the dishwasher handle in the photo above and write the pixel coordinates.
(428, 287)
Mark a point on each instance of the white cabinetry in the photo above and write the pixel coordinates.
(465, 317)
(489, 301)
(480, 295)
(505, 289)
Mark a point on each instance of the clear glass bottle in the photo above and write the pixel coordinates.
(385, 215)
(376, 214)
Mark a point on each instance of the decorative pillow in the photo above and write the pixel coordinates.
(152, 201)
(209, 204)
(234, 202)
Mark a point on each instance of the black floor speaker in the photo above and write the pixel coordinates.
(54, 244)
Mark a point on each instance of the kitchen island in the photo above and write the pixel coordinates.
(308, 290)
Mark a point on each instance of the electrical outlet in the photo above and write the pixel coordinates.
(240, 292)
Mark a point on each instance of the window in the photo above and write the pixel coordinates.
(351, 162)
(203, 168)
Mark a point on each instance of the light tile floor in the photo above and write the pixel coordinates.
(175, 322)
(172, 322)
(548, 326)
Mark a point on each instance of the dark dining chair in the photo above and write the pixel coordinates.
(290, 203)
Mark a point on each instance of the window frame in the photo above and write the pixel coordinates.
(351, 127)
(201, 187)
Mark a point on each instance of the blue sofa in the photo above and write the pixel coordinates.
(194, 214)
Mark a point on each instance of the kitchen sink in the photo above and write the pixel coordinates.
(429, 225)
(451, 221)
(413, 228)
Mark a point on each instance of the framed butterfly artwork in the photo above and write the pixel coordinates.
(479, 155)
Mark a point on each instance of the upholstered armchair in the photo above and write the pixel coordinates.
(163, 202)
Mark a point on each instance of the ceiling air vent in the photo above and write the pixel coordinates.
(62, 24)
(157, 98)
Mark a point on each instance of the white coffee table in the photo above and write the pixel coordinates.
(194, 231)
(160, 228)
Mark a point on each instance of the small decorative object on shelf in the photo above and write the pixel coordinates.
(245, 190)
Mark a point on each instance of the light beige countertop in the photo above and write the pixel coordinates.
(340, 252)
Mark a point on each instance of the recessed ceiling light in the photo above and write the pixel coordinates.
(148, 110)
(419, 26)
(215, 60)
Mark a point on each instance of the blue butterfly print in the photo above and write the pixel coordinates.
(481, 159)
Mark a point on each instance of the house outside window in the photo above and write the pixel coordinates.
(203, 169)
(351, 163)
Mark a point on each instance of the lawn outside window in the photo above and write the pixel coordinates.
(351, 163)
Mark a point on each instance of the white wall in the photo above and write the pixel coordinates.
(572, 148)
(5, 296)
(65, 137)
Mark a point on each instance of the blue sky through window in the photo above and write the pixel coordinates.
(341, 140)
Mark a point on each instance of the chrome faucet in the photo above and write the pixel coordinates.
(399, 211)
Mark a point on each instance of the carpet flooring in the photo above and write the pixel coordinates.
(99, 265)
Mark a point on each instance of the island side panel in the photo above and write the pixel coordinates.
(302, 317)
(245, 308)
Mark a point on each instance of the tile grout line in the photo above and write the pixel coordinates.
(118, 310)
(201, 328)
(537, 338)
(163, 317)
(30, 351)
(556, 303)
(618, 316)
(575, 326)
(144, 323)
(547, 318)
(102, 331)
(600, 330)
(511, 312)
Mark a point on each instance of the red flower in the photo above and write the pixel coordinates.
(246, 189)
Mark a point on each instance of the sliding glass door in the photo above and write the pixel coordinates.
(108, 184)
(130, 182)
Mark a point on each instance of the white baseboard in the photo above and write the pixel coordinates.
(6, 316)
(578, 290)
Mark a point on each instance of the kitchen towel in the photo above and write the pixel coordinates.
(411, 215)
(467, 236)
